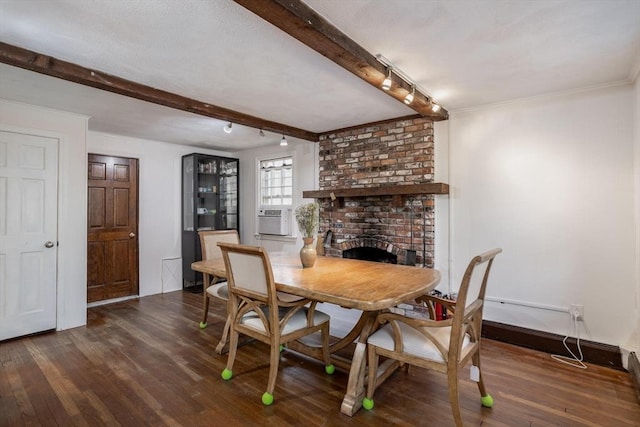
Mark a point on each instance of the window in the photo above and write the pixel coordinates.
(276, 182)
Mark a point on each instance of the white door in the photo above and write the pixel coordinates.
(28, 233)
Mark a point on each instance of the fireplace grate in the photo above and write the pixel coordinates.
(370, 254)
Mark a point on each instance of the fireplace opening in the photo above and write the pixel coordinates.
(370, 254)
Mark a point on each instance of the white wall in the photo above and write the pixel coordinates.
(305, 177)
(637, 208)
(551, 181)
(441, 209)
(159, 204)
(71, 130)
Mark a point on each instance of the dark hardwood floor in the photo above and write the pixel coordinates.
(146, 362)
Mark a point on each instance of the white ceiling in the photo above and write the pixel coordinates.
(465, 53)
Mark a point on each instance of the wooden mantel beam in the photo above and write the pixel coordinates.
(397, 192)
(304, 24)
(54, 67)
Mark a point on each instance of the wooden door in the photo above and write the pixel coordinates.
(112, 249)
(28, 233)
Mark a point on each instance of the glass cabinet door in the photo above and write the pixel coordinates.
(228, 194)
(207, 194)
(188, 171)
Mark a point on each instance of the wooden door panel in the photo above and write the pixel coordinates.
(121, 214)
(97, 206)
(96, 256)
(121, 172)
(112, 227)
(119, 265)
(97, 171)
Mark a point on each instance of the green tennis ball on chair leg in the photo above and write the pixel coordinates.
(267, 398)
(367, 403)
(203, 325)
(487, 401)
(330, 369)
(227, 374)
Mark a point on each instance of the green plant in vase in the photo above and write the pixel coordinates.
(308, 218)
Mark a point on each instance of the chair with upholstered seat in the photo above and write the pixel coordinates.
(446, 345)
(257, 310)
(209, 247)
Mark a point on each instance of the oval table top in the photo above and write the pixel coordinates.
(350, 283)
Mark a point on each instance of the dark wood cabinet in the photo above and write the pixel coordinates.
(209, 202)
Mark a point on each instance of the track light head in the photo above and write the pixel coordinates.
(227, 128)
(386, 84)
(283, 142)
(435, 107)
(261, 133)
(409, 98)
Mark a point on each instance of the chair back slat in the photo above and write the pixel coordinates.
(476, 276)
(475, 284)
(209, 241)
(247, 271)
(472, 290)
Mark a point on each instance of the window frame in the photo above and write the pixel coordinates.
(261, 181)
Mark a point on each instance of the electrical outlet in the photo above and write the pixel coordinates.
(577, 311)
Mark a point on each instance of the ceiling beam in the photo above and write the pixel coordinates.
(54, 67)
(304, 24)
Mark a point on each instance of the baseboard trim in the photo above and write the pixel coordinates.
(634, 371)
(593, 352)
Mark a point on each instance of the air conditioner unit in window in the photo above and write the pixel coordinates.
(273, 221)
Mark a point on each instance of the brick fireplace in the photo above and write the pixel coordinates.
(392, 154)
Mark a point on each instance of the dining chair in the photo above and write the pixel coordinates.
(260, 312)
(444, 346)
(209, 247)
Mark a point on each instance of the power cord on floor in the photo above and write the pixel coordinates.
(574, 360)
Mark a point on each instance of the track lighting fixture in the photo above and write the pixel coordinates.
(227, 128)
(386, 84)
(261, 133)
(283, 142)
(409, 98)
(416, 89)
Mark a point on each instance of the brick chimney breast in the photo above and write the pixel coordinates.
(393, 153)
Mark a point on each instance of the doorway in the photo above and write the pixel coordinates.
(112, 227)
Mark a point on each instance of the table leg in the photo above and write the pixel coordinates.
(355, 387)
(315, 349)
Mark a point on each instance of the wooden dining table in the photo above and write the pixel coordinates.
(364, 285)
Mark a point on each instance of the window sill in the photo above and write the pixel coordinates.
(275, 237)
